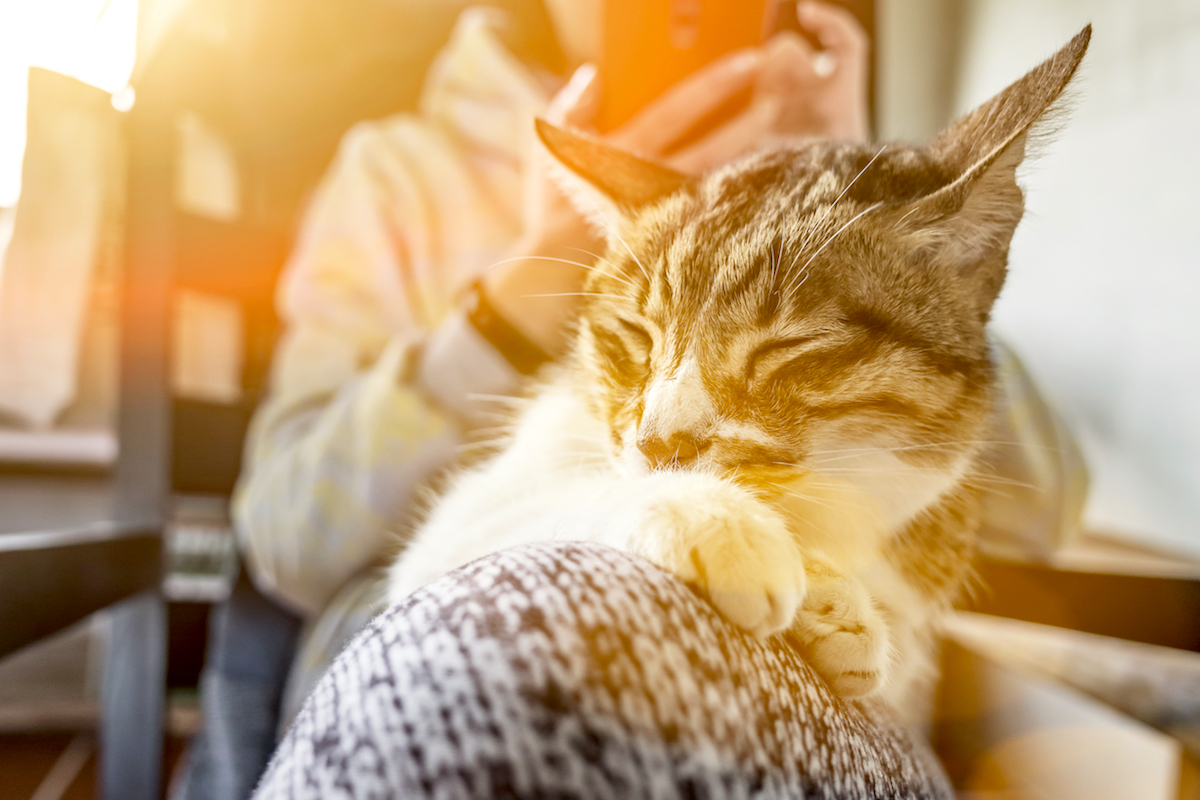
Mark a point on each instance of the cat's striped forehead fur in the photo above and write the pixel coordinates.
(802, 237)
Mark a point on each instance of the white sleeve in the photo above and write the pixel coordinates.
(354, 423)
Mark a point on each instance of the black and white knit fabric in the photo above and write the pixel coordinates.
(570, 670)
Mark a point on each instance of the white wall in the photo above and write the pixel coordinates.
(1103, 295)
(916, 66)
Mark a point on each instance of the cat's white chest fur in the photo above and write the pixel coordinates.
(522, 495)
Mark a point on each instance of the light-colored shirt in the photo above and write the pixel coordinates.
(413, 208)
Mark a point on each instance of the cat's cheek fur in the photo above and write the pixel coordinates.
(897, 489)
(836, 518)
(895, 486)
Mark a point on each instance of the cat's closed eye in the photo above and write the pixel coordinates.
(770, 356)
(639, 334)
(626, 347)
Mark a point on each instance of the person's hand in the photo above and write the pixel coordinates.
(655, 132)
(536, 289)
(797, 92)
(550, 222)
(819, 93)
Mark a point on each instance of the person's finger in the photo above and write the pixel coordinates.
(577, 102)
(837, 30)
(788, 61)
(789, 45)
(750, 129)
(673, 114)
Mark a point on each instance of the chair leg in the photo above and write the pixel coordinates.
(133, 695)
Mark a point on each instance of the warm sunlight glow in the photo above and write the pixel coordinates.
(92, 40)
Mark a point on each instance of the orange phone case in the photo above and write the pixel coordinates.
(650, 45)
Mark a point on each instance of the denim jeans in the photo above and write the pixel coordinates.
(251, 643)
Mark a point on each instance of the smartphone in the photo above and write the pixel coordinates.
(650, 45)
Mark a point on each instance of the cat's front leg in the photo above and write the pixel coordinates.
(735, 548)
(842, 633)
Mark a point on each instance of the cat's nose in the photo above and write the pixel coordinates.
(679, 448)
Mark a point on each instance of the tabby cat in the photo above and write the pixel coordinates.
(779, 385)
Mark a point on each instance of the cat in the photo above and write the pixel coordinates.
(779, 385)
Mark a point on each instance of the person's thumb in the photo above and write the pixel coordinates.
(577, 102)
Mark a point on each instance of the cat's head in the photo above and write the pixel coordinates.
(815, 309)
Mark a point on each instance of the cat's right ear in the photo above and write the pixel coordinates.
(608, 186)
(969, 222)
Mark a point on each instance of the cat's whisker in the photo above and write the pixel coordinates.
(498, 404)
(506, 418)
(505, 399)
(833, 205)
(974, 477)
(838, 232)
(616, 233)
(492, 429)
(587, 252)
(799, 495)
(1000, 480)
(854, 452)
(794, 487)
(909, 213)
(580, 294)
(805, 481)
(821, 469)
(835, 471)
(1022, 445)
(897, 448)
(853, 181)
(470, 447)
(997, 492)
(601, 259)
(613, 275)
(792, 289)
(569, 262)
(776, 257)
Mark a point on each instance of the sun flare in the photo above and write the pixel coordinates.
(92, 40)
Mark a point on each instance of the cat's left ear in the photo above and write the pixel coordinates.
(968, 224)
(608, 186)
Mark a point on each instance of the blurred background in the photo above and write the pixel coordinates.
(155, 156)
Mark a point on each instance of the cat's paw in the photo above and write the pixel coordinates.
(734, 548)
(842, 633)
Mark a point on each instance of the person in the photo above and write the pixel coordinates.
(381, 376)
(375, 378)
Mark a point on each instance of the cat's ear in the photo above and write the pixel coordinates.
(970, 222)
(606, 185)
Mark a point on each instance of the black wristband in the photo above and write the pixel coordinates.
(525, 356)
